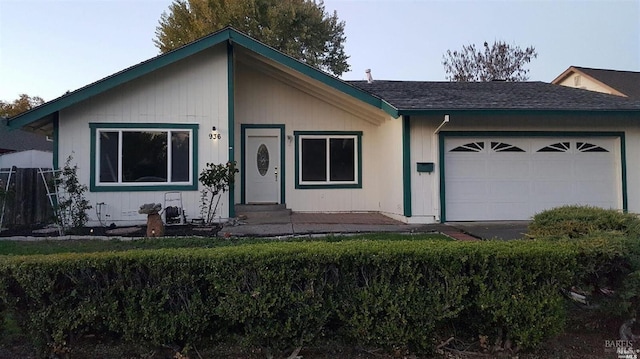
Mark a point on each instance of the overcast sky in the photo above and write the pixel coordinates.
(48, 47)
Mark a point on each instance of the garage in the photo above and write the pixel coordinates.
(513, 177)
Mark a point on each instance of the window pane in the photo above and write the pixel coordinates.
(144, 156)
(180, 156)
(108, 156)
(341, 155)
(314, 159)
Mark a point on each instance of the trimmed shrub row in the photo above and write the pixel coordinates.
(280, 296)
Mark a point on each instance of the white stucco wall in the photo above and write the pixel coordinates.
(192, 91)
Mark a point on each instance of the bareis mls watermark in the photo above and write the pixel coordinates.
(625, 349)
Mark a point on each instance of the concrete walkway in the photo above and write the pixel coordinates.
(309, 224)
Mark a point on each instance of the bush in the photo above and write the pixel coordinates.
(280, 296)
(579, 221)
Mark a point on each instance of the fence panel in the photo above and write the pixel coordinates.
(26, 201)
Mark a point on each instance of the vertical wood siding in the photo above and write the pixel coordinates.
(193, 91)
(261, 99)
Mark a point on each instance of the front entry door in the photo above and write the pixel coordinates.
(262, 167)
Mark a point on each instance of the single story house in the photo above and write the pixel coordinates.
(615, 82)
(420, 152)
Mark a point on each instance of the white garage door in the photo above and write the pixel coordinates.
(513, 178)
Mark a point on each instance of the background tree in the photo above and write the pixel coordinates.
(299, 28)
(499, 61)
(22, 104)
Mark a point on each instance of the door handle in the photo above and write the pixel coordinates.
(276, 173)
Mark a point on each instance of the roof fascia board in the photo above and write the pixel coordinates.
(311, 72)
(118, 78)
(426, 112)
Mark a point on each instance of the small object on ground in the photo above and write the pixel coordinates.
(155, 227)
(150, 208)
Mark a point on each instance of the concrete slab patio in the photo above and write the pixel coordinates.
(285, 224)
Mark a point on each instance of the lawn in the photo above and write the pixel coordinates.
(13, 247)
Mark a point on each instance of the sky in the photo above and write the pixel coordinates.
(48, 47)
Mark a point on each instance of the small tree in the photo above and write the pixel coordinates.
(216, 180)
(499, 61)
(72, 204)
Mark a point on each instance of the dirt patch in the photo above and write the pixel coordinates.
(186, 230)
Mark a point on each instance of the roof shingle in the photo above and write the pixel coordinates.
(627, 82)
(496, 95)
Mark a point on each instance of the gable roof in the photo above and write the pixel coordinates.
(18, 140)
(625, 82)
(42, 117)
(413, 97)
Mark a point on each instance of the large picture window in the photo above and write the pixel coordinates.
(328, 159)
(151, 156)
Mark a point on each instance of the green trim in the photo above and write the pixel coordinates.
(444, 134)
(623, 159)
(297, 135)
(94, 187)
(406, 166)
(503, 111)
(56, 141)
(231, 122)
(158, 62)
(243, 128)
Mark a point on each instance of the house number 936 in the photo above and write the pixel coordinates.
(215, 136)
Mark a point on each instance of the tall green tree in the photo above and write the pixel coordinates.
(499, 61)
(299, 28)
(20, 105)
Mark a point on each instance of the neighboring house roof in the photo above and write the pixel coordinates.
(624, 82)
(408, 96)
(42, 117)
(17, 140)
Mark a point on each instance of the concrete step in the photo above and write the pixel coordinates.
(263, 213)
(243, 208)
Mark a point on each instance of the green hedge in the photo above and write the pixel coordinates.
(279, 296)
(578, 221)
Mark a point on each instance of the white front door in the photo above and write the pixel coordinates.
(262, 167)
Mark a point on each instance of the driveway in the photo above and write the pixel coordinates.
(506, 230)
(285, 223)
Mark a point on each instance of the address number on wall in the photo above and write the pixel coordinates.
(215, 136)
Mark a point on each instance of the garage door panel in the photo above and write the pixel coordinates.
(545, 168)
(510, 191)
(468, 190)
(495, 184)
(467, 167)
(510, 168)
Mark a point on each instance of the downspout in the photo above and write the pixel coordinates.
(437, 185)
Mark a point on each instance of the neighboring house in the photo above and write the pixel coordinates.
(12, 140)
(319, 144)
(621, 83)
(27, 159)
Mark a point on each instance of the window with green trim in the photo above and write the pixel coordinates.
(144, 156)
(330, 159)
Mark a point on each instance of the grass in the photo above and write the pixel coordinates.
(11, 247)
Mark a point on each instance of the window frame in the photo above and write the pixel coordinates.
(327, 136)
(120, 186)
